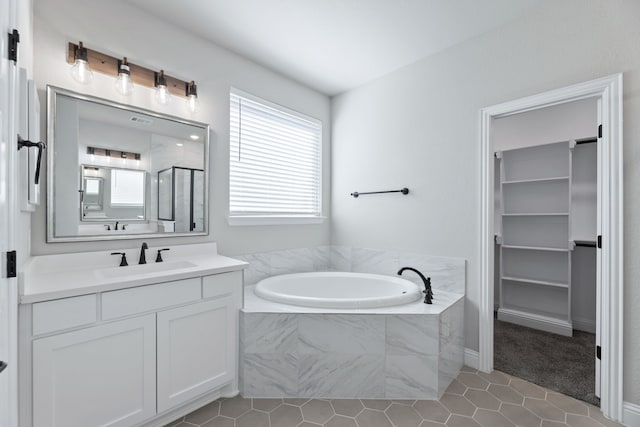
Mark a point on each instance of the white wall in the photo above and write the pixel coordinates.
(419, 127)
(119, 29)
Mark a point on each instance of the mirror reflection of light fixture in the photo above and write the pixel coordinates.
(192, 97)
(124, 155)
(162, 91)
(80, 71)
(124, 85)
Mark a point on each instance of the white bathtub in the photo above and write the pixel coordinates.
(339, 290)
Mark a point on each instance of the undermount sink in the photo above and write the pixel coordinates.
(140, 269)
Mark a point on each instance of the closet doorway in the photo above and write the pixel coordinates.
(542, 210)
(546, 247)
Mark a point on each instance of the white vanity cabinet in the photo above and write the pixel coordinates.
(152, 354)
(195, 344)
(104, 375)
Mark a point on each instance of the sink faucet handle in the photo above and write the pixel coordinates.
(159, 256)
(123, 261)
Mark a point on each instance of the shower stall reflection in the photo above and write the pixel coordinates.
(181, 198)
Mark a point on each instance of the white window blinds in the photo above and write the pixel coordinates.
(274, 160)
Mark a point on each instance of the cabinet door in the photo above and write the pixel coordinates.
(196, 350)
(99, 376)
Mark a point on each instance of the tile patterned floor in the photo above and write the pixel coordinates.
(474, 399)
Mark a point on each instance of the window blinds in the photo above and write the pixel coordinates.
(274, 160)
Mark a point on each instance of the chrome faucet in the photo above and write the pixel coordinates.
(428, 297)
(143, 258)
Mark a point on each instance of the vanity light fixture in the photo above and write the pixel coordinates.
(124, 85)
(80, 71)
(128, 74)
(192, 96)
(162, 92)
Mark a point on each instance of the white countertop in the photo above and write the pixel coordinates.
(50, 277)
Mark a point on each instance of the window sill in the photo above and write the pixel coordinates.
(274, 220)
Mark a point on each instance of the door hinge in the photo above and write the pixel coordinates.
(599, 243)
(600, 131)
(11, 264)
(598, 352)
(14, 39)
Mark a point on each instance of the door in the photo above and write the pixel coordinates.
(195, 350)
(100, 376)
(8, 286)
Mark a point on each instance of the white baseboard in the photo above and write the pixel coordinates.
(536, 321)
(471, 358)
(583, 324)
(631, 414)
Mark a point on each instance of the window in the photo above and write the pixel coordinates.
(275, 168)
(127, 187)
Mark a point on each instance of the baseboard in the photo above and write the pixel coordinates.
(582, 324)
(631, 414)
(536, 321)
(471, 358)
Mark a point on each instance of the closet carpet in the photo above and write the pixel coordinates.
(562, 364)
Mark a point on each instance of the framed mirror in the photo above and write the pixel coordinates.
(119, 172)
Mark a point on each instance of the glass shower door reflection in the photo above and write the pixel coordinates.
(181, 198)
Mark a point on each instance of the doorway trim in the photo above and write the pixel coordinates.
(609, 91)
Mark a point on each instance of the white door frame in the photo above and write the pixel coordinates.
(8, 162)
(609, 91)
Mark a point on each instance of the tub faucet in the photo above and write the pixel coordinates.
(143, 258)
(428, 297)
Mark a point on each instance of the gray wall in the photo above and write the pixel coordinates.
(122, 30)
(419, 127)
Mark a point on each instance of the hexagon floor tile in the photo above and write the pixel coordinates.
(476, 399)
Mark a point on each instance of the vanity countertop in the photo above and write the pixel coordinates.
(50, 277)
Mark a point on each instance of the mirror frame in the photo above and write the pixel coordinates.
(52, 92)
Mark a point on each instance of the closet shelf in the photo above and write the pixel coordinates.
(537, 214)
(536, 282)
(536, 248)
(522, 181)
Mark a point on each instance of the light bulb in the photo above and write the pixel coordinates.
(191, 90)
(124, 85)
(162, 95)
(192, 103)
(162, 92)
(80, 71)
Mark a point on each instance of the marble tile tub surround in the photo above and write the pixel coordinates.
(446, 273)
(395, 356)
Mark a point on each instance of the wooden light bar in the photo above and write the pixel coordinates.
(106, 64)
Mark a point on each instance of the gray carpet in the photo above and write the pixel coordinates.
(563, 364)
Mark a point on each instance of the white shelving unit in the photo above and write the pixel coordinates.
(535, 245)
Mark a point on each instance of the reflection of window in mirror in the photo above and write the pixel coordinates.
(127, 187)
(92, 187)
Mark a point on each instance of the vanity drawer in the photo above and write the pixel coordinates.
(141, 299)
(218, 285)
(65, 313)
